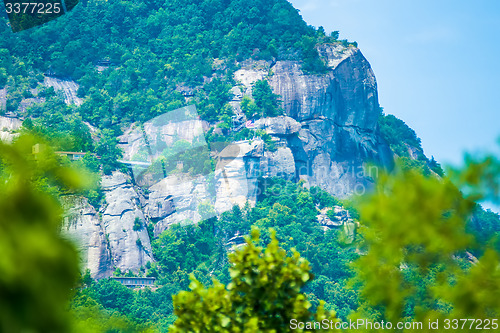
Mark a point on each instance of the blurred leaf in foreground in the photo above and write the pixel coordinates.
(38, 267)
(416, 264)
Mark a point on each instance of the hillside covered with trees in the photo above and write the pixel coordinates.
(339, 275)
(150, 49)
(135, 60)
(416, 248)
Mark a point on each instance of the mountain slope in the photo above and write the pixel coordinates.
(134, 61)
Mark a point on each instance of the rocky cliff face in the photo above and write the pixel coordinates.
(327, 135)
(8, 125)
(124, 222)
(114, 237)
(331, 123)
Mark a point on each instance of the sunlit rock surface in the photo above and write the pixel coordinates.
(331, 119)
(130, 247)
(7, 127)
(83, 225)
(67, 87)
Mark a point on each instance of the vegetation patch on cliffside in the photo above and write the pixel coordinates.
(406, 145)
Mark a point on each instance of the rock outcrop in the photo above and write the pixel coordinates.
(3, 99)
(327, 135)
(124, 223)
(83, 225)
(114, 237)
(7, 126)
(331, 119)
(278, 126)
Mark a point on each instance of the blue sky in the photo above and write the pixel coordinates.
(437, 65)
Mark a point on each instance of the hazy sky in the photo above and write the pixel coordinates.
(437, 64)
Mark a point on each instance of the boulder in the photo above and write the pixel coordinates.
(278, 126)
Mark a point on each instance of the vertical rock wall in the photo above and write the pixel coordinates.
(84, 227)
(336, 114)
(114, 237)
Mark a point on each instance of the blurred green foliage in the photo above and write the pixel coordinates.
(38, 267)
(417, 265)
(413, 242)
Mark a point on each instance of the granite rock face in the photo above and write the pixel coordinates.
(130, 246)
(340, 217)
(278, 126)
(174, 196)
(175, 199)
(331, 119)
(84, 227)
(114, 237)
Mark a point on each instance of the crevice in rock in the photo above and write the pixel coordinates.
(359, 130)
(121, 214)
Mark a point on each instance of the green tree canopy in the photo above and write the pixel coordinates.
(264, 294)
(268, 102)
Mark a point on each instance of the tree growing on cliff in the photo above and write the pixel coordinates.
(267, 101)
